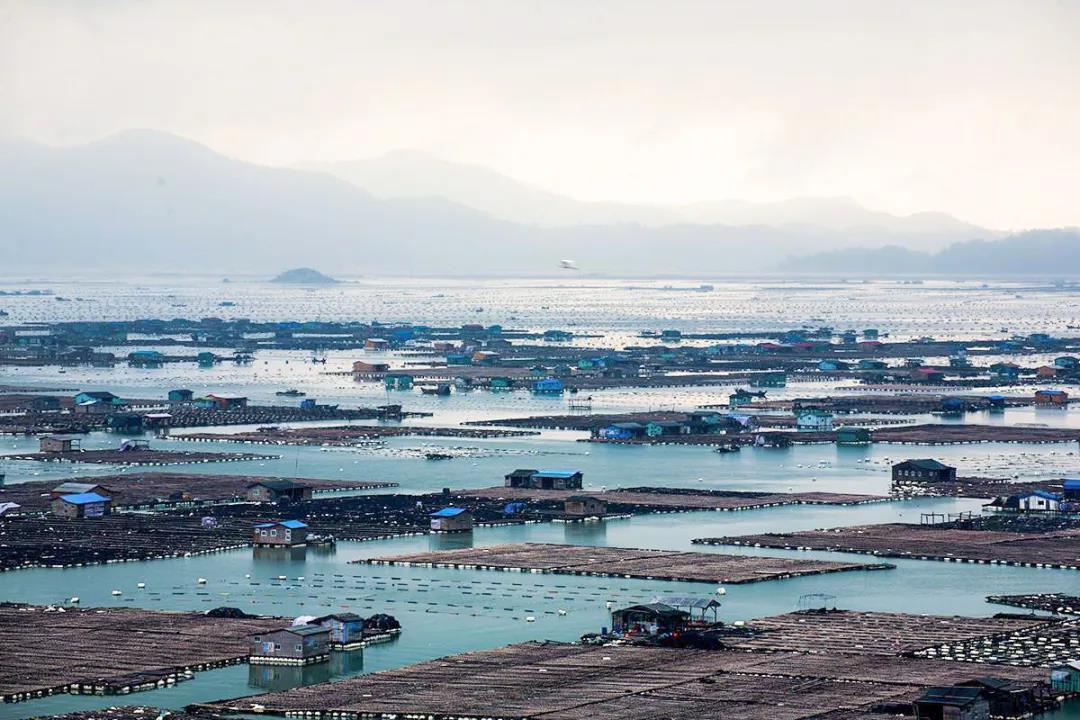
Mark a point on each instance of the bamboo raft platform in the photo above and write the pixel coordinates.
(114, 650)
(953, 434)
(27, 542)
(32, 422)
(1058, 603)
(590, 421)
(133, 458)
(557, 681)
(1051, 549)
(872, 633)
(152, 489)
(1044, 646)
(675, 499)
(889, 433)
(972, 487)
(344, 436)
(125, 712)
(595, 421)
(903, 403)
(623, 562)
(44, 541)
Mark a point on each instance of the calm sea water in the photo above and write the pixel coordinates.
(448, 611)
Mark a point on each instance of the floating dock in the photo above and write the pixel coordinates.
(348, 435)
(624, 562)
(560, 681)
(676, 499)
(111, 651)
(153, 489)
(45, 541)
(1051, 549)
(133, 458)
(1059, 603)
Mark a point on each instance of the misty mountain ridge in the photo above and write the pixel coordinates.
(146, 200)
(1054, 252)
(413, 173)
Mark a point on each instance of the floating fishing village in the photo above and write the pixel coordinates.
(487, 505)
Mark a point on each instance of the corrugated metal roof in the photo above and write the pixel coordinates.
(556, 473)
(279, 485)
(678, 601)
(74, 488)
(1041, 493)
(305, 630)
(448, 512)
(291, 524)
(926, 464)
(84, 498)
(952, 696)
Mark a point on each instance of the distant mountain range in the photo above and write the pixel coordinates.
(414, 174)
(145, 200)
(1044, 252)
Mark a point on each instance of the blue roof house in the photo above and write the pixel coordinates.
(451, 519)
(549, 386)
(81, 505)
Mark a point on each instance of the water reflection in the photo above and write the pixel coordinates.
(586, 533)
(451, 541)
(274, 555)
(275, 678)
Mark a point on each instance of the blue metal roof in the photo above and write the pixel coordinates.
(448, 512)
(83, 498)
(556, 473)
(1072, 484)
(1041, 493)
(291, 524)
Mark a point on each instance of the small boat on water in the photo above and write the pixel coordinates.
(437, 456)
(724, 449)
(291, 392)
(440, 389)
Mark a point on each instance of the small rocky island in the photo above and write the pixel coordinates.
(304, 276)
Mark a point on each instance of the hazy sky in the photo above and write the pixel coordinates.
(967, 107)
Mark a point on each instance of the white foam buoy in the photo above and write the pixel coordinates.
(201, 581)
(561, 611)
(721, 591)
(141, 585)
(116, 592)
(530, 618)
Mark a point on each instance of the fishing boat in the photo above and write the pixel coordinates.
(291, 392)
(437, 456)
(440, 389)
(724, 449)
